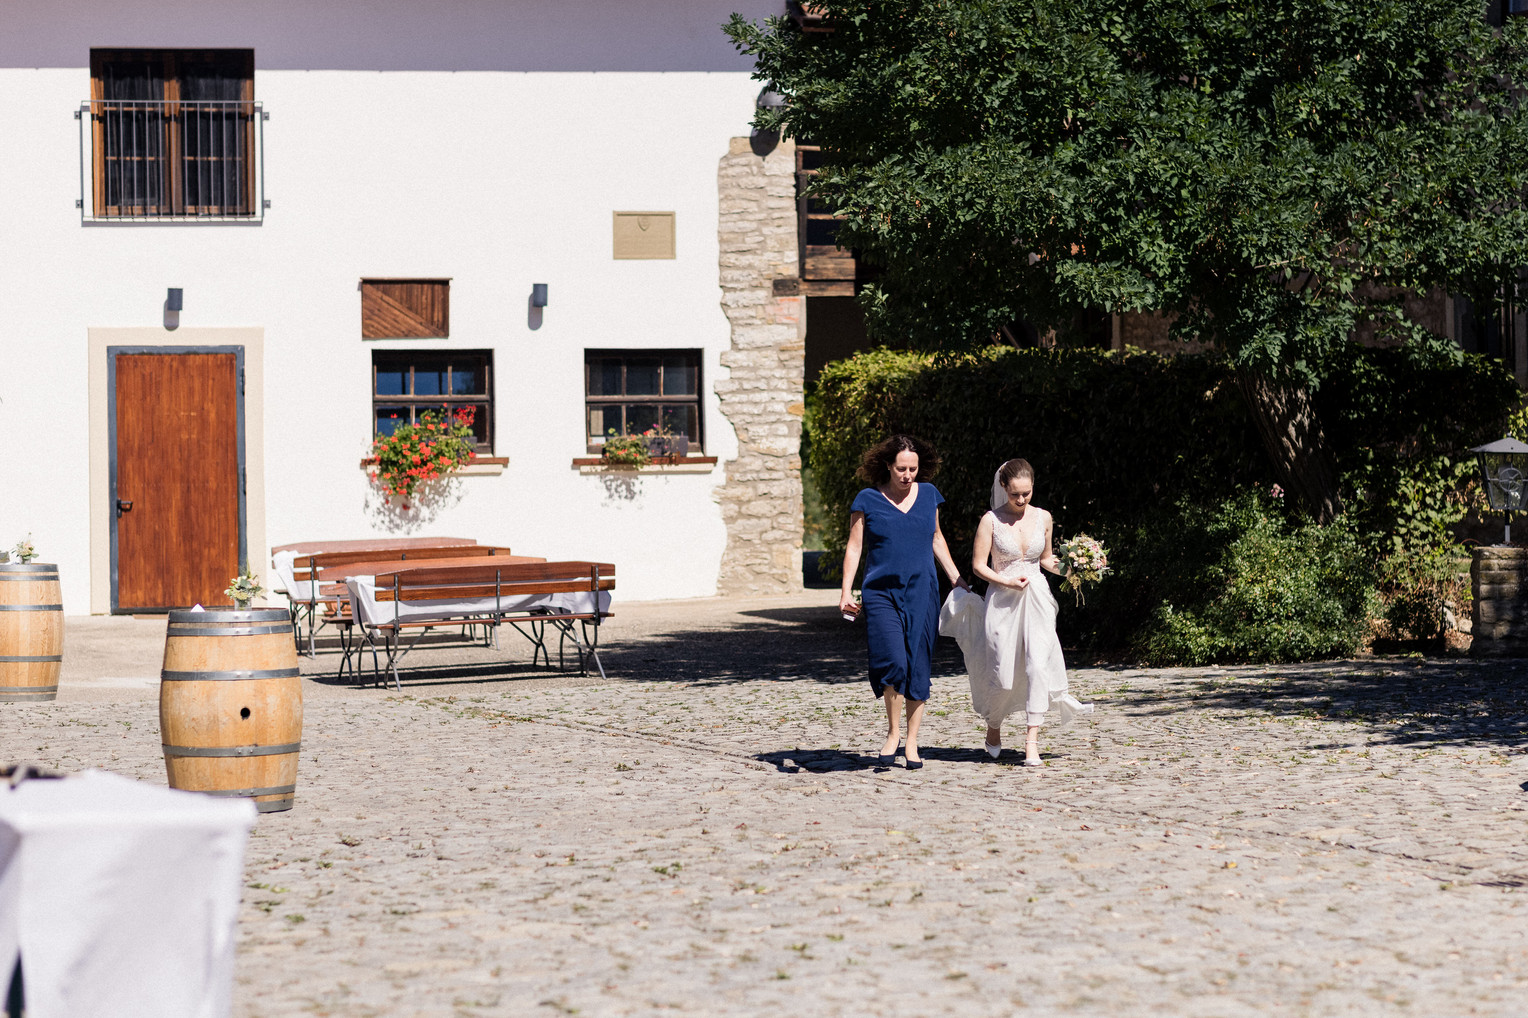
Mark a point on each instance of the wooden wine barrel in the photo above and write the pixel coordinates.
(31, 631)
(230, 705)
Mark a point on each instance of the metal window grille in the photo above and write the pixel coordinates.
(183, 160)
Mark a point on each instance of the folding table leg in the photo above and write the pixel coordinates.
(347, 641)
(392, 657)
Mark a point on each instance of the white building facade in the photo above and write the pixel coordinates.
(478, 147)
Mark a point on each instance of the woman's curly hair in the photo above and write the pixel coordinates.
(875, 466)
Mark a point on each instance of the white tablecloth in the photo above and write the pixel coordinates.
(122, 897)
(363, 599)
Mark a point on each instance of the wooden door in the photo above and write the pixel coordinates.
(177, 506)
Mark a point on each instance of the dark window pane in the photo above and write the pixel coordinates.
(682, 420)
(822, 232)
(389, 417)
(429, 380)
(466, 379)
(215, 77)
(391, 380)
(679, 376)
(610, 375)
(642, 376)
(640, 417)
(604, 377)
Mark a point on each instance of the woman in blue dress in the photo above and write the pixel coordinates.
(894, 524)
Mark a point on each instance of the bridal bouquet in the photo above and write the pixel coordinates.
(1083, 560)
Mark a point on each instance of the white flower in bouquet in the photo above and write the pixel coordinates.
(244, 588)
(1082, 560)
(24, 551)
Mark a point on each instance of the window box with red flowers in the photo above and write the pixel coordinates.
(433, 447)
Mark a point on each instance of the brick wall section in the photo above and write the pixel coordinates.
(1499, 583)
(761, 499)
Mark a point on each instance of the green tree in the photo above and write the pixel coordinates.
(1270, 174)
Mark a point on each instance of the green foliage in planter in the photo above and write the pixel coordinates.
(626, 450)
(1243, 582)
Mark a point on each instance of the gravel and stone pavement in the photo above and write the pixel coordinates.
(706, 833)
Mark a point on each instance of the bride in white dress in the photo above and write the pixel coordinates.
(1013, 657)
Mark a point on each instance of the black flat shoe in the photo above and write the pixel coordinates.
(914, 765)
(885, 760)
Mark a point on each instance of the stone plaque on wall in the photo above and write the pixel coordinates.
(644, 235)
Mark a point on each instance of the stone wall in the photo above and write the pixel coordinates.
(1499, 583)
(761, 499)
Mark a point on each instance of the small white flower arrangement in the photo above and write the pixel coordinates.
(244, 588)
(24, 551)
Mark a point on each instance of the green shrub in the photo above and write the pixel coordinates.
(1401, 425)
(1242, 582)
(1129, 446)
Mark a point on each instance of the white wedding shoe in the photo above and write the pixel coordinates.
(993, 751)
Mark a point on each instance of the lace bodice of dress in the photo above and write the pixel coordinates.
(1017, 550)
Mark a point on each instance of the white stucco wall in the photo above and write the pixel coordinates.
(497, 178)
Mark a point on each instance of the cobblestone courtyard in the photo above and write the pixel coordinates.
(705, 833)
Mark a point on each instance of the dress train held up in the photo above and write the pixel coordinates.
(1013, 656)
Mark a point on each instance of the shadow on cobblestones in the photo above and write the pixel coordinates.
(822, 761)
(780, 645)
(1444, 702)
(773, 645)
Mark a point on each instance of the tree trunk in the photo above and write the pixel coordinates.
(1291, 433)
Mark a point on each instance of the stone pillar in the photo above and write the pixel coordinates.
(1499, 583)
(761, 499)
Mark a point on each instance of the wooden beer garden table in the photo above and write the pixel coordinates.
(571, 597)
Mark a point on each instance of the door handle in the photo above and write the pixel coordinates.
(124, 505)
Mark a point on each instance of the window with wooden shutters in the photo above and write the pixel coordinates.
(405, 384)
(405, 308)
(172, 134)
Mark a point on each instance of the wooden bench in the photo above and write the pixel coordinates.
(311, 569)
(571, 597)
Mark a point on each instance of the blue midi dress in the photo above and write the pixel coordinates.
(900, 590)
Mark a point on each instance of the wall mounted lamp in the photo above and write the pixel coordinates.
(175, 299)
(538, 295)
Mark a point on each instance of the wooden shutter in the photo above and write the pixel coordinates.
(405, 308)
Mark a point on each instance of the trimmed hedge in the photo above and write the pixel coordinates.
(1127, 445)
(1113, 436)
